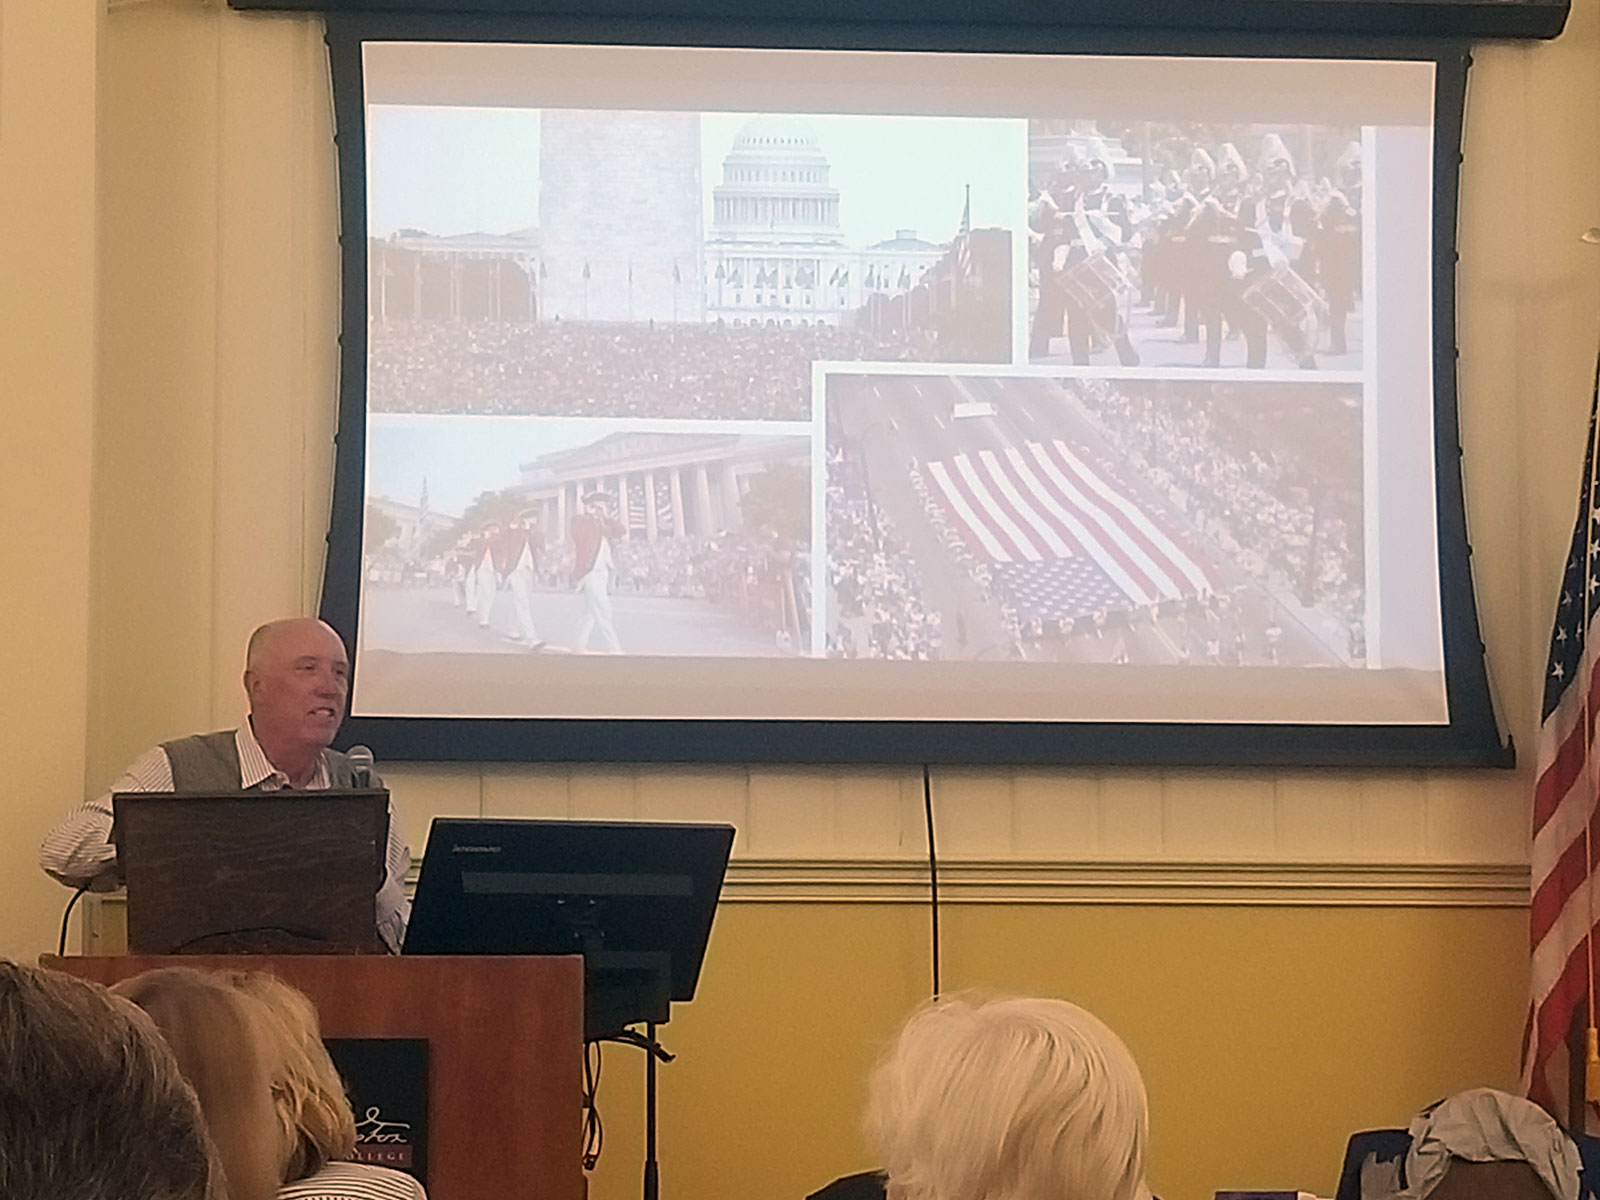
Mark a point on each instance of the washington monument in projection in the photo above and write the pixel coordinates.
(619, 216)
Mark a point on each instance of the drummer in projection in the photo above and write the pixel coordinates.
(1082, 227)
(1281, 221)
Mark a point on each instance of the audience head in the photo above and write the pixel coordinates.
(250, 1045)
(315, 1123)
(1008, 1099)
(92, 1105)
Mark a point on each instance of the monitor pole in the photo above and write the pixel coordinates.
(652, 1170)
(653, 1053)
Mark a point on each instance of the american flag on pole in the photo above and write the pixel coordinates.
(636, 508)
(1029, 509)
(1566, 837)
(638, 522)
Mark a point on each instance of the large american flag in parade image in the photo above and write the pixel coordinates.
(1065, 538)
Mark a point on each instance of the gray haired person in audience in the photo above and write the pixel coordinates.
(92, 1106)
(1008, 1099)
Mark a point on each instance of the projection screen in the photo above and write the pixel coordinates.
(735, 403)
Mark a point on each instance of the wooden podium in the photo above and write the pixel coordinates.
(505, 1052)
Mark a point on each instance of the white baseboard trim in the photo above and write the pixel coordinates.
(905, 881)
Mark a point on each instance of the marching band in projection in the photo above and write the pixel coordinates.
(1171, 245)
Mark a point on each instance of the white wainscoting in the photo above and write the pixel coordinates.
(1034, 836)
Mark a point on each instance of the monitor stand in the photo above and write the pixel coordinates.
(654, 1052)
(622, 988)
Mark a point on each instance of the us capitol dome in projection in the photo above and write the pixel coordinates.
(775, 252)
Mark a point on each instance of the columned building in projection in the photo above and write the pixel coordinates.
(660, 485)
(413, 275)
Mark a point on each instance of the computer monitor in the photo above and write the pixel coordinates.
(635, 898)
(252, 872)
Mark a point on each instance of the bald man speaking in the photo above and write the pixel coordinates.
(297, 676)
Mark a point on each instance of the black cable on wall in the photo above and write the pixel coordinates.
(933, 872)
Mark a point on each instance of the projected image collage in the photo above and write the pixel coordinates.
(863, 387)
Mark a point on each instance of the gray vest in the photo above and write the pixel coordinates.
(209, 762)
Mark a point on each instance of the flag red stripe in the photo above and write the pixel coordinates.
(1022, 551)
(1057, 525)
(1110, 546)
(1113, 522)
(1557, 777)
(969, 534)
(1100, 543)
(1041, 548)
(1565, 877)
(1553, 1019)
(1100, 490)
(1527, 1033)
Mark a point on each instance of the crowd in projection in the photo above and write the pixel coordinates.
(1279, 490)
(615, 370)
(1228, 250)
(879, 611)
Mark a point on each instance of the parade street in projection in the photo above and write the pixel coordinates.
(1136, 521)
(425, 615)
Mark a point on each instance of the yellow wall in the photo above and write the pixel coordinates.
(47, 373)
(1266, 1036)
(171, 457)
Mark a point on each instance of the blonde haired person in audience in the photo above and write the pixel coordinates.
(92, 1105)
(276, 1107)
(314, 1116)
(1008, 1099)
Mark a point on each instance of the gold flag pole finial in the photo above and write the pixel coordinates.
(1591, 1068)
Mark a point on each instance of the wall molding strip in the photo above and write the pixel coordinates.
(994, 881)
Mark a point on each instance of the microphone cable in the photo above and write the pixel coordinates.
(594, 1130)
(61, 944)
(933, 874)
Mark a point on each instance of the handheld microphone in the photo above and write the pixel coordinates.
(361, 765)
